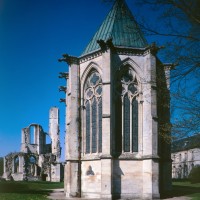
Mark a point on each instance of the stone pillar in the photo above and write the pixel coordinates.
(54, 131)
(150, 131)
(21, 163)
(72, 168)
(24, 139)
(13, 165)
(150, 179)
(4, 165)
(106, 159)
(37, 136)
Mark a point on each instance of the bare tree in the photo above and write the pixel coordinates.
(179, 24)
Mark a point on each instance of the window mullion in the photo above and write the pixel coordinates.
(131, 127)
(90, 127)
(97, 124)
(84, 131)
(122, 99)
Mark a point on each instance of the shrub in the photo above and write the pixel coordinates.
(194, 175)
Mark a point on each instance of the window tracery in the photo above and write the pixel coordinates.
(127, 90)
(93, 113)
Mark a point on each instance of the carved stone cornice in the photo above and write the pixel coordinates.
(90, 56)
(90, 157)
(136, 156)
(130, 51)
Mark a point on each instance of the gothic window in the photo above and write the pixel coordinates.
(32, 165)
(180, 158)
(127, 92)
(32, 135)
(16, 164)
(93, 113)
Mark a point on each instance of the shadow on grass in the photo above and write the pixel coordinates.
(179, 190)
(22, 188)
(184, 190)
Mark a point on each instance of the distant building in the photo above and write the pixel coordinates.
(117, 100)
(185, 154)
(36, 159)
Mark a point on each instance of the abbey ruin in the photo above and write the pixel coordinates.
(37, 160)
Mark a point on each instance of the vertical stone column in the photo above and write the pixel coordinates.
(35, 170)
(106, 159)
(37, 136)
(150, 131)
(165, 136)
(4, 165)
(21, 163)
(24, 139)
(13, 165)
(72, 167)
(54, 131)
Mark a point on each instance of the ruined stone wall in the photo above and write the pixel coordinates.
(54, 132)
(37, 160)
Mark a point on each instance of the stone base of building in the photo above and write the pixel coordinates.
(114, 179)
(116, 196)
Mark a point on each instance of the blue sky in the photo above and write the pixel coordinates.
(33, 35)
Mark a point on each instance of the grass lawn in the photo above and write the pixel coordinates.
(10, 190)
(185, 188)
(22, 190)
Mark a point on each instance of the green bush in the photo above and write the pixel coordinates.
(194, 175)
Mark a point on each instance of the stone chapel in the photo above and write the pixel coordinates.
(117, 103)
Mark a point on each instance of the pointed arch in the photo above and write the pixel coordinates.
(92, 101)
(127, 91)
(16, 164)
(92, 66)
(134, 66)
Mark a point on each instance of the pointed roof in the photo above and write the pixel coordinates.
(121, 26)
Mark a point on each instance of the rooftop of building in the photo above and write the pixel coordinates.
(186, 143)
(120, 26)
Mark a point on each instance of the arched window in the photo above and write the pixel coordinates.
(93, 113)
(174, 172)
(180, 158)
(185, 171)
(32, 135)
(16, 164)
(32, 165)
(127, 92)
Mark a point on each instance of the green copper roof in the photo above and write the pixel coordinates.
(121, 26)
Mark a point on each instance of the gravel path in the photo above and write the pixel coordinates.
(58, 194)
